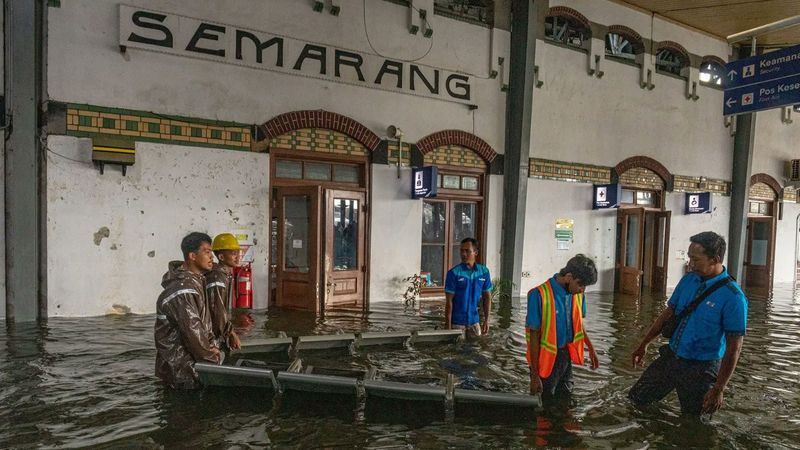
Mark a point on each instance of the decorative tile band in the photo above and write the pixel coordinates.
(565, 171)
(318, 140)
(789, 195)
(639, 177)
(455, 155)
(393, 153)
(128, 126)
(685, 183)
(761, 191)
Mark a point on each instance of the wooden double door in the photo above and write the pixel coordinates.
(320, 240)
(642, 250)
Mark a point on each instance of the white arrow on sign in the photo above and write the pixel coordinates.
(730, 102)
(732, 74)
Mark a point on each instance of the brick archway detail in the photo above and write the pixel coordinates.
(714, 59)
(647, 163)
(768, 180)
(676, 48)
(564, 11)
(296, 120)
(457, 137)
(635, 38)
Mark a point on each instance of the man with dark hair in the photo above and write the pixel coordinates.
(183, 333)
(464, 286)
(705, 320)
(554, 328)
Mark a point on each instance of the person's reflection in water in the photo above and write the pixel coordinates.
(555, 427)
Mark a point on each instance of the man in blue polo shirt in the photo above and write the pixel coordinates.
(464, 286)
(703, 351)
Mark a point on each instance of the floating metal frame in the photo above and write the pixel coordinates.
(232, 376)
(436, 336)
(383, 338)
(325, 342)
(272, 345)
(323, 384)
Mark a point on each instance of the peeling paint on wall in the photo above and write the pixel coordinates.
(103, 232)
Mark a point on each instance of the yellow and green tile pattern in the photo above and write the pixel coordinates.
(455, 155)
(119, 125)
(319, 140)
(566, 171)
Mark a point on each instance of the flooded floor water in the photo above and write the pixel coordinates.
(90, 382)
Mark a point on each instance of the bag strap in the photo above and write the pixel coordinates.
(693, 305)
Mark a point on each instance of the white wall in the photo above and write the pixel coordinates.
(684, 226)
(594, 232)
(396, 233)
(84, 34)
(170, 191)
(582, 118)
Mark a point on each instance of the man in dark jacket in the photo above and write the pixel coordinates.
(183, 332)
(219, 281)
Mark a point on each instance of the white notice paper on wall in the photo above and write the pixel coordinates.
(297, 243)
(562, 244)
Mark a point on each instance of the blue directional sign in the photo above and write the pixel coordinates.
(762, 82)
(766, 95)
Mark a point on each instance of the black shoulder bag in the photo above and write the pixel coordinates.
(672, 323)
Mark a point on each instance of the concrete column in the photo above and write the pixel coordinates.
(740, 188)
(519, 104)
(740, 192)
(23, 161)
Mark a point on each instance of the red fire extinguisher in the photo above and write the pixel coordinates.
(243, 295)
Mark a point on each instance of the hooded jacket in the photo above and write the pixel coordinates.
(182, 332)
(218, 291)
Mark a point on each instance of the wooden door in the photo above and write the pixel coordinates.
(661, 250)
(630, 222)
(345, 241)
(298, 268)
(760, 249)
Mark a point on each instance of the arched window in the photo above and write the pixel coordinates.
(622, 42)
(712, 71)
(567, 26)
(481, 11)
(671, 58)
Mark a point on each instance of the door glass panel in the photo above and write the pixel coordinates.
(289, 169)
(318, 171)
(760, 244)
(345, 174)
(345, 234)
(433, 264)
(632, 241)
(662, 232)
(463, 227)
(434, 215)
(296, 232)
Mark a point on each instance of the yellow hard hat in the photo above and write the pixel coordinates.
(225, 241)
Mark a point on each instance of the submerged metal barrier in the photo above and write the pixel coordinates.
(362, 385)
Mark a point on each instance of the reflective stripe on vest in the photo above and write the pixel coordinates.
(548, 341)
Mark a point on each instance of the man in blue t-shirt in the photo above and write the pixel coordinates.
(464, 286)
(703, 350)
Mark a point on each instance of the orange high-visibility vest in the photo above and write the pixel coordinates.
(548, 344)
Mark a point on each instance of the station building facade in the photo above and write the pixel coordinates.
(272, 121)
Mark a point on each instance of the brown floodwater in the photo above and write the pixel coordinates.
(89, 382)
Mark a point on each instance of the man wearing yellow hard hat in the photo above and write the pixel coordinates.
(219, 288)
